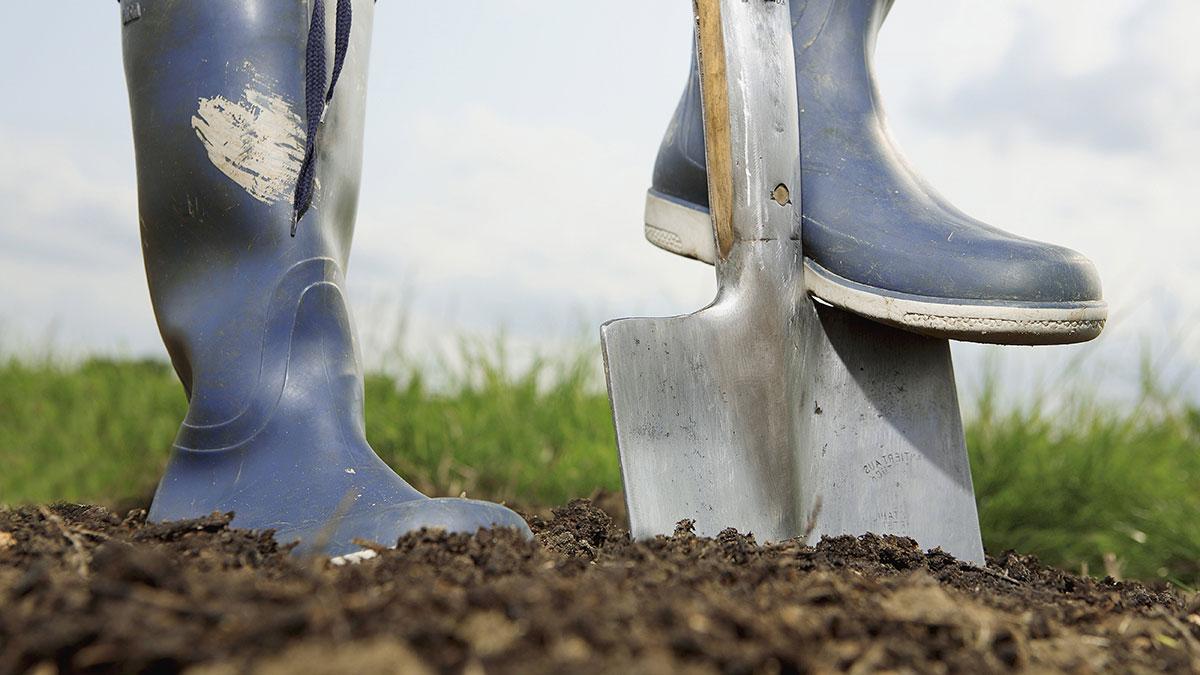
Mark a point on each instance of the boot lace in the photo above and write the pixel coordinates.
(316, 96)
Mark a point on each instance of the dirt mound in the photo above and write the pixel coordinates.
(84, 590)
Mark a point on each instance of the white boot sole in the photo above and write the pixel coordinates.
(684, 230)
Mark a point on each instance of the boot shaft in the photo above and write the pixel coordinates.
(834, 41)
(835, 44)
(217, 93)
(845, 26)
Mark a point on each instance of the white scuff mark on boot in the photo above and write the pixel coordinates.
(353, 558)
(257, 141)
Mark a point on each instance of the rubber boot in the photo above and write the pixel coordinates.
(248, 124)
(878, 241)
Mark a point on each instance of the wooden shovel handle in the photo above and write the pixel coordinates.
(714, 94)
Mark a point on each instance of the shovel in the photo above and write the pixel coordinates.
(763, 411)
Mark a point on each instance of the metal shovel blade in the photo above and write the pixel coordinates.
(829, 424)
(761, 412)
(881, 448)
(706, 409)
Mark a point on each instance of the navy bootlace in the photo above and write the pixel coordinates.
(317, 97)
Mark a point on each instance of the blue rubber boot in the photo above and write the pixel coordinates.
(248, 126)
(878, 241)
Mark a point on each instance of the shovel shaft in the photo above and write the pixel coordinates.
(714, 94)
(748, 89)
(708, 406)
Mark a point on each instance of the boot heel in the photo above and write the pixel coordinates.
(679, 227)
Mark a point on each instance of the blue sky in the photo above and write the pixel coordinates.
(509, 145)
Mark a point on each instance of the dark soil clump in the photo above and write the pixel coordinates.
(85, 590)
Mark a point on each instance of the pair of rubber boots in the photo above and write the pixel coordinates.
(248, 119)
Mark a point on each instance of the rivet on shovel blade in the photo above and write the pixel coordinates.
(781, 195)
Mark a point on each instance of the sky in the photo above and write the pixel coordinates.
(510, 143)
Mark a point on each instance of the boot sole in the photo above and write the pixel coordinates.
(683, 229)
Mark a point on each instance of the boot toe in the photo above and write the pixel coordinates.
(963, 283)
(1012, 271)
(1007, 272)
(1059, 275)
(388, 524)
(466, 516)
(910, 251)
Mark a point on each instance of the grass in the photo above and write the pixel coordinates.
(99, 431)
(1089, 486)
(1084, 485)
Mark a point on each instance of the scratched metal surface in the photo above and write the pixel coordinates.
(882, 447)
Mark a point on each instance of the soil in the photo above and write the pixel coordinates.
(83, 589)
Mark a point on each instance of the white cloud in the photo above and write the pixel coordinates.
(69, 251)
